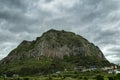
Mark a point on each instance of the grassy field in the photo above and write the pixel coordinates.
(47, 78)
(55, 78)
(66, 76)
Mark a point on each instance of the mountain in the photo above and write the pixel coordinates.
(54, 50)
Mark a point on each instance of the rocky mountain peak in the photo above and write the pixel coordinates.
(61, 46)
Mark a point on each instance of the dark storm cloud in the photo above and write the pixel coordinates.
(12, 3)
(12, 16)
(47, 1)
(96, 10)
(107, 36)
(96, 20)
(116, 50)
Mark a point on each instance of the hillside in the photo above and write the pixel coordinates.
(53, 51)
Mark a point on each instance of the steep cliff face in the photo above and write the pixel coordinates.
(53, 45)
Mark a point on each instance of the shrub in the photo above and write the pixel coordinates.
(54, 75)
(67, 75)
(75, 72)
(63, 77)
(79, 77)
(111, 78)
(18, 79)
(99, 77)
(50, 78)
(25, 78)
(85, 78)
(117, 77)
(74, 76)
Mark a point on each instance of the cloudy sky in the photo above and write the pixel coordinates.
(96, 20)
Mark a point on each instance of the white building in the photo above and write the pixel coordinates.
(117, 71)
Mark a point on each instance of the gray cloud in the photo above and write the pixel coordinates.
(96, 20)
(115, 50)
(12, 4)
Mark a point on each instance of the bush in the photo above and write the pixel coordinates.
(117, 77)
(85, 78)
(75, 72)
(63, 77)
(111, 78)
(54, 75)
(25, 78)
(74, 76)
(67, 75)
(18, 79)
(99, 77)
(50, 78)
(79, 77)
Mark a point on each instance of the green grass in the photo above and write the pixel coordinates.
(53, 78)
(70, 75)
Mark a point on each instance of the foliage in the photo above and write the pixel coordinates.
(111, 78)
(85, 78)
(25, 78)
(117, 77)
(100, 77)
